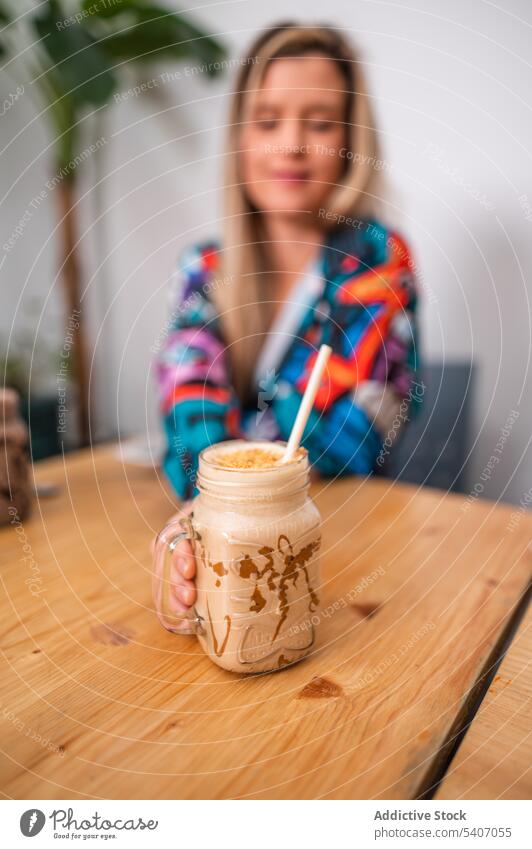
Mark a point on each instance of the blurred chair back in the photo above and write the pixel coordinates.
(436, 441)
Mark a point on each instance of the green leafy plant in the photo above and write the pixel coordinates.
(80, 57)
(88, 49)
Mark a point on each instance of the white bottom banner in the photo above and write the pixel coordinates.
(266, 824)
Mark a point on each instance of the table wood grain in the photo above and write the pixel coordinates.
(98, 701)
(495, 759)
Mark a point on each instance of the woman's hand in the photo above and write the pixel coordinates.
(182, 593)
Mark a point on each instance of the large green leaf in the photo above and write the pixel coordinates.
(144, 31)
(80, 67)
(111, 8)
(4, 19)
(108, 8)
(202, 46)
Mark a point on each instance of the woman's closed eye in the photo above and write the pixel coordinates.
(314, 125)
(320, 126)
(266, 123)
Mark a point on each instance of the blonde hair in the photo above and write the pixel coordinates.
(243, 314)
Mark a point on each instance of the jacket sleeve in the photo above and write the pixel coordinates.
(198, 404)
(369, 388)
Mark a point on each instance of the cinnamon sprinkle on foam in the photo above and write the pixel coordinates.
(252, 458)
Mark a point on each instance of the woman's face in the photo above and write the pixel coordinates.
(293, 136)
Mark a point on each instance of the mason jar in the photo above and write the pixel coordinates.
(255, 536)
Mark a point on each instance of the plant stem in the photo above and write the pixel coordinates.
(72, 277)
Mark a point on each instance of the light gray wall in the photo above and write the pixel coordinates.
(452, 84)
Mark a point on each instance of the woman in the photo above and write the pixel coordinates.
(302, 262)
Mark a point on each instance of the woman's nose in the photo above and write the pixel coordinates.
(293, 137)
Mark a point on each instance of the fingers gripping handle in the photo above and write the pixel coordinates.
(165, 544)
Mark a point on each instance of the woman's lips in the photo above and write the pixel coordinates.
(286, 175)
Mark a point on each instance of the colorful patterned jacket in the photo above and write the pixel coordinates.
(362, 303)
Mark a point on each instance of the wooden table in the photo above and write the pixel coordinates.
(495, 759)
(421, 593)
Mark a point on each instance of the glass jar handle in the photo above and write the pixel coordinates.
(165, 545)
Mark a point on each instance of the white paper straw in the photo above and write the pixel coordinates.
(306, 403)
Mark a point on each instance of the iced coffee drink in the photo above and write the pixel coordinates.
(255, 534)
